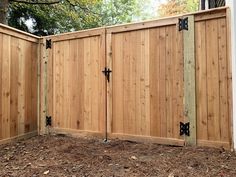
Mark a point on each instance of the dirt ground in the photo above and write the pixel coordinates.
(59, 155)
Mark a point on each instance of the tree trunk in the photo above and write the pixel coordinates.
(3, 11)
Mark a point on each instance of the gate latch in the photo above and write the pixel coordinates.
(107, 72)
(184, 129)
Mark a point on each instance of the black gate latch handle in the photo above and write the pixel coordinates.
(107, 72)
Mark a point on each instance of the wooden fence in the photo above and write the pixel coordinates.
(162, 77)
(213, 81)
(18, 84)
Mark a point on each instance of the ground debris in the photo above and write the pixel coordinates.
(46, 172)
(66, 156)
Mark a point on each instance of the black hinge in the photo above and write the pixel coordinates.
(48, 44)
(48, 121)
(183, 24)
(107, 72)
(184, 128)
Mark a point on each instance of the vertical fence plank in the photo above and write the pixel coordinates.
(179, 83)
(143, 77)
(28, 84)
(80, 63)
(154, 83)
(222, 47)
(38, 65)
(162, 107)
(146, 122)
(118, 83)
(213, 89)
(201, 80)
(87, 84)
(132, 83)
(102, 86)
(6, 63)
(126, 74)
(138, 122)
(229, 78)
(21, 88)
(66, 84)
(14, 85)
(50, 83)
(34, 55)
(169, 81)
(56, 84)
(1, 59)
(189, 80)
(95, 83)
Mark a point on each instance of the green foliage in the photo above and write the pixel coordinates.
(71, 15)
(173, 7)
(119, 11)
(52, 19)
(192, 5)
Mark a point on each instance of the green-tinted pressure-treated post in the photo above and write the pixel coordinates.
(189, 81)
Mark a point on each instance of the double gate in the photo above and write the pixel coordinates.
(161, 77)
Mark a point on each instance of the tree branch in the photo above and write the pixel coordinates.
(82, 7)
(36, 2)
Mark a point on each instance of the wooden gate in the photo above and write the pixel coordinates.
(146, 90)
(162, 76)
(75, 84)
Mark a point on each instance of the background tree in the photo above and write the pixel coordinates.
(174, 7)
(4, 6)
(45, 17)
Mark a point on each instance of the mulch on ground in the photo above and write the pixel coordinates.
(59, 155)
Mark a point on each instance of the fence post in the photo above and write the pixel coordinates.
(43, 87)
(190, 81)
(109, 86)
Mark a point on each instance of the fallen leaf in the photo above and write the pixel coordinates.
(133, 157)
(46, 172)
(171, 175)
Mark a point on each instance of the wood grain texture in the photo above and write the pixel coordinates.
(147, 82)
(18, 85)
(145, 95)
(78, 86)
(109, 62)
(190, 80)
(213, 81)
(1, 60)
(43, 86)
(158, 95)
(229, 77)
(201, 80)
